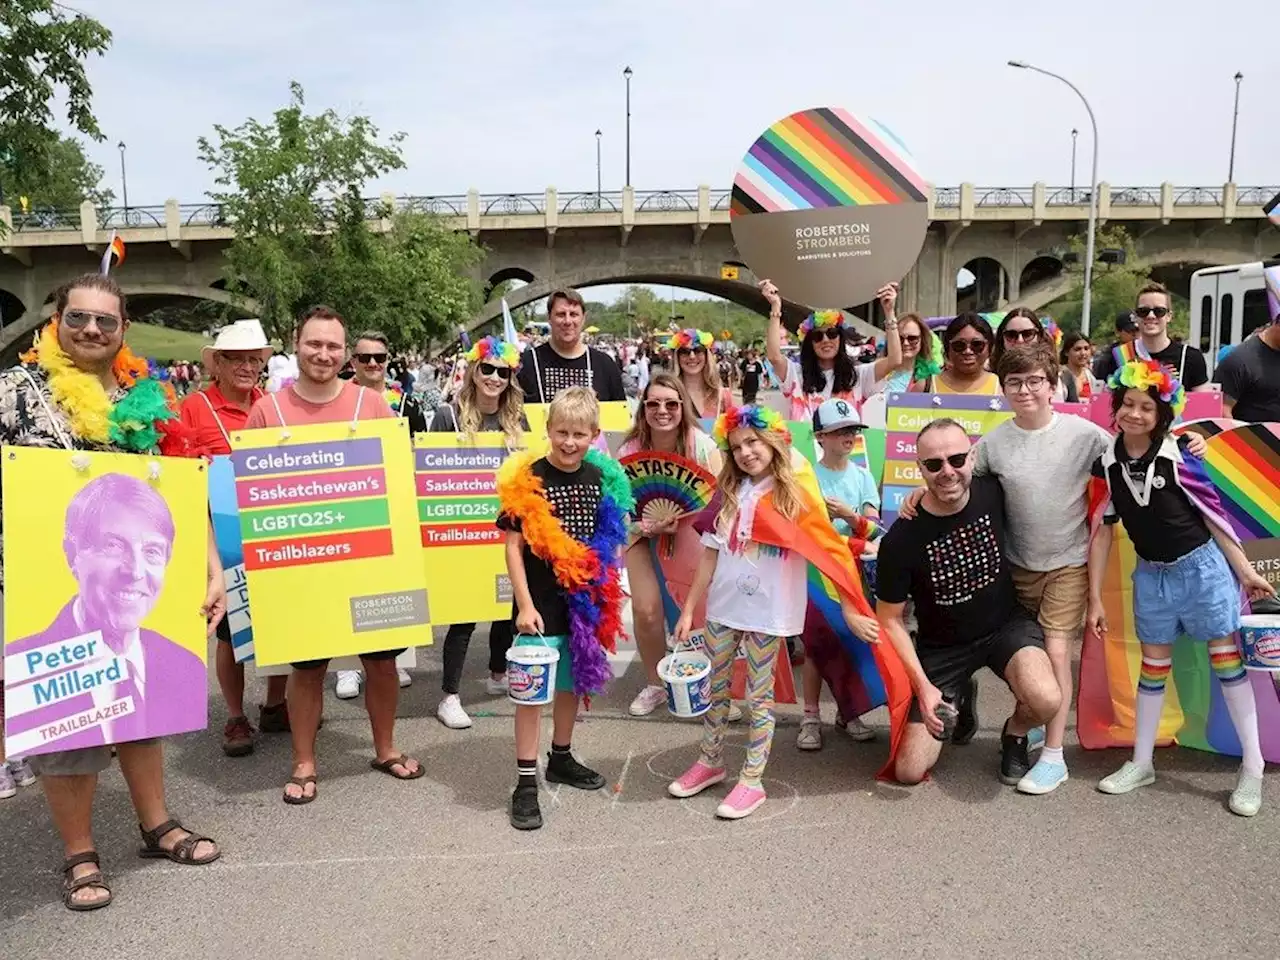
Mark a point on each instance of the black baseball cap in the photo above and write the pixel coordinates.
(1125, 322)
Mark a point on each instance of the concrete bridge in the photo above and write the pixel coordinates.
(1011, 239)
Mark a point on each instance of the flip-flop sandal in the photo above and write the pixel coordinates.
(386, 767)
(301, 784)
(72, 884)
(184, 851)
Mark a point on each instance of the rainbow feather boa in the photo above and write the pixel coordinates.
(143, 420)
(589, 573)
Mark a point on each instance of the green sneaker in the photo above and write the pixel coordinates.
(1246, 798)
(1128, 778)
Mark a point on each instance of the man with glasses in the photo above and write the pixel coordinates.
(1153, 313)
(950, 560)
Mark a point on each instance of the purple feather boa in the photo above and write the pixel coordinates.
(591, 673)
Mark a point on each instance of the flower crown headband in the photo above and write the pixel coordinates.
(821, 320)
(764, 419)
(492, 349)
(1140, 374)
(690, 339)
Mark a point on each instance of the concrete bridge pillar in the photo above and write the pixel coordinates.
(89, 225)
(473, 212)
(551, 214)
(1166, 202)
(1228, 202)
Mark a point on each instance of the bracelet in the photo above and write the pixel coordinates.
(891, 324)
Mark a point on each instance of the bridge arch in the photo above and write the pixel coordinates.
(988, 289)
(11, 307)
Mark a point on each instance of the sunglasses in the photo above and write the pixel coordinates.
(79, 319)
(1016, 336)
(934, 464)
(1158, 312)
(967, 346)
(910, 339)
(370, 357)
(492, 370)
(687, 351)
(670, 406)
(830, 333)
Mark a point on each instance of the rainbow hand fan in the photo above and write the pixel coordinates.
(666, 486)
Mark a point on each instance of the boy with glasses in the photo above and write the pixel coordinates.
(1153, 313)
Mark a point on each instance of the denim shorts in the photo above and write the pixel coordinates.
(1195, 596)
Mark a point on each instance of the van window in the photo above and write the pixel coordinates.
(1254, 313)
(1206, 324)
(1228, 308)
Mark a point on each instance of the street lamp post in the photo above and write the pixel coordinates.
(1093, 192)
(627, 74)
(1074, 133)
(1235, 115)
(598, 190)
(124, 177)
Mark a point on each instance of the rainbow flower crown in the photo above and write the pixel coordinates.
(764, 419)
(690, 338)
(495, 350)
(1140, 374)
(821, 320)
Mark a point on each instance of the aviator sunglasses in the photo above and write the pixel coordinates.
(79, 319)
(934, 464)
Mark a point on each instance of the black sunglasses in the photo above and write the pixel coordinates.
(1015, 336)
(79, 319)
(687, 351)
(492, 370)
(967, 346)
(934, 464)
(910, 338)
(1159, 312)
(830, 333)
(370, 357)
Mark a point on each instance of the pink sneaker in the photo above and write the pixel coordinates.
(741, 802)
(696, 779)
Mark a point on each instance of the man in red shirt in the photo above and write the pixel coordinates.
(320, 396)
(235, 362)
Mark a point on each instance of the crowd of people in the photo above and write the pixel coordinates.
(996, 553)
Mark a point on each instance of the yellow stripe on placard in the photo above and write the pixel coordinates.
(902, 473)
(975, 422)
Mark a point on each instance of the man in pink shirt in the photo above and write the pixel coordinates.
(319, 396)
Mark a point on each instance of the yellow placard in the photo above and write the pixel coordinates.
(462, 550)
(903, 472)
(912, 419)
(728, 272)
(328, 517)
(105, 569)
(615, 417)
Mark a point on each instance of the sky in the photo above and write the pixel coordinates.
(506, 95)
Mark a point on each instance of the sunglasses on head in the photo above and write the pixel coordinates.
(492, 370)
(670, 406)
(830, 333)
(1158, 312)
(79, 319)
(1017, 336)
(968, 346)
(934, 464)
(370, 357)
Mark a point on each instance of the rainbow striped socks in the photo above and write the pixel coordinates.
(1237, 691)
(1227, 665)
(1152, 677)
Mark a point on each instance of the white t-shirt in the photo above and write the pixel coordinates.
(865, 385)
(761, 589)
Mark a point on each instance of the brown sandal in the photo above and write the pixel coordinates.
(72, 884)
(183, 851)
(301, 784)
(386, 765)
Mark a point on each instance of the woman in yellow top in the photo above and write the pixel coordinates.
(966, 345)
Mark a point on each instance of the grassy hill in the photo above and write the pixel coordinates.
(160, 343)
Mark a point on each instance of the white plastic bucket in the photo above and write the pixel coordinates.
(531, 674)
(1260, 641)
(687, 677)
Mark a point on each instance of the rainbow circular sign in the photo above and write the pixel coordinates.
(830, 206)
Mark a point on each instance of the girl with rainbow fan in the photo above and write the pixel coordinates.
(753, 574)
(1190, 574)
(698, 372)
(825, 369)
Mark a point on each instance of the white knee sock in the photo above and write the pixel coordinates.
(1151, 681)
(1244, 716)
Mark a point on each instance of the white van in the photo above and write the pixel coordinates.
(1227, 304)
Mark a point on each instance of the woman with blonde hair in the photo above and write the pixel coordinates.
(697, 372)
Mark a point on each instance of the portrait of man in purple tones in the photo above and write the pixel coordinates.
(122, 681)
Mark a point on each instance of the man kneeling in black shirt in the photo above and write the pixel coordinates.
(950, 560)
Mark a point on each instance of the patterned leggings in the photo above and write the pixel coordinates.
(761, 653)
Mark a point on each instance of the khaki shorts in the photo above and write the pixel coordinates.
(1057, 598)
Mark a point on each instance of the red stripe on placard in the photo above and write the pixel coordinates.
(460, 534)
(305, 551)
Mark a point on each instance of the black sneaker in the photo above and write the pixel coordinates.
(1014, 762)
(967, 722)
(525, 812)
(563, 768)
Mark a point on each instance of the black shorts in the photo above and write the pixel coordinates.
(223, 631)
(378, 655)
(949, 668)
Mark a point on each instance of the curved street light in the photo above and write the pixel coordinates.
(1093, 192)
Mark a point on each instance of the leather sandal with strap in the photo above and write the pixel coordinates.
(184, 851)
(71, 884)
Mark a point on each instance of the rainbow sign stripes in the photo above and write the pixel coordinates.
(821, 158)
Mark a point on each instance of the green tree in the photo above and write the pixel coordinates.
(65, 179)
(43, 46)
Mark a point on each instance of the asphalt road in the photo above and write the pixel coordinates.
(832, 865)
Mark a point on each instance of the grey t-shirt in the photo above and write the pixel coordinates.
(1045, 476)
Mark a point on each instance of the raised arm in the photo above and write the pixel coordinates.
(892, 360)
(773, 332)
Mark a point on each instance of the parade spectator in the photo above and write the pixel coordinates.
(921, 357)
(318, 396)
(1021, 327)
(1126, 328)
(698, 372)
(950, 561)
(752, 372)
(1250, 374)
(967, 344)
(565, 360)
(1076, 359)
(236, 359)
(1154, 312)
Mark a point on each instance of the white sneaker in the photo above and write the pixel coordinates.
(495, 688)
(348, 686)
(451, 714)
(810, 734)
(1246, 798)
(735, 712)
(403, 675)
(647, 701)
(859, 731)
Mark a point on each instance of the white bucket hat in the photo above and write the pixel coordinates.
(241, 335)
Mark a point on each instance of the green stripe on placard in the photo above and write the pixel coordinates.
(314, 518)
(457, 509)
